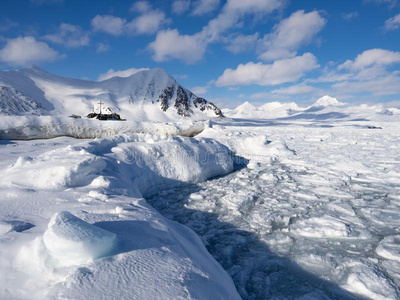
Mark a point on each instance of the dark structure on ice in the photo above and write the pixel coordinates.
(105, 117)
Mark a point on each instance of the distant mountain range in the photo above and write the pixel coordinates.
(325, 108)
(147, 95)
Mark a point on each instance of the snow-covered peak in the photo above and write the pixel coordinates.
(245, 108)
(147, 95)
(327, 101)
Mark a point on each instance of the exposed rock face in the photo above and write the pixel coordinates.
(184, 100)
(203, 105)
(13, 102)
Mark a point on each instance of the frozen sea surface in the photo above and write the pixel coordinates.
(320, 220)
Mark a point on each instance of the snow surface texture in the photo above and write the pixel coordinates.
(311, 212)
(74, 225)
(147, 95)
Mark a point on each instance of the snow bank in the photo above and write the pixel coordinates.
(73, 241)
(169, 163)
(101, 230)
(46, 127)
(56, 169)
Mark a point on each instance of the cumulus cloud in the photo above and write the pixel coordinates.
(280, 71)
(148, 21)
(202, 7)
(180, 6)
(393, 23)
(23, 51)
(370, 58)
(141, 6)
(121, 73)
(170, 44)
(69, 35)
(242, 43)
(109, 24)
(286, 38)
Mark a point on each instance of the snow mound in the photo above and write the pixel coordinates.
(389, 248)
(13, 102)
(327, 101)
(72, 241)
(171, 162)
(60, 168)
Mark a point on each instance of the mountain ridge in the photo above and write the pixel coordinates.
(154, 91)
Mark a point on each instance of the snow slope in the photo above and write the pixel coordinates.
(74, 225)
(13, 102)
(146, 95)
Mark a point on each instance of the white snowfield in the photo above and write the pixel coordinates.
(74, 224)
(307, 208)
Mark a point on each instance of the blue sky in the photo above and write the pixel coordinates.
(225, 51)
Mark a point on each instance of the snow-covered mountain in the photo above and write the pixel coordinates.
(13, 102)
(147, 95)
(324, 108)
(266, 111)
(327, 101)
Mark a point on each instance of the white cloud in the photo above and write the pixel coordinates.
(202, 7)
(281, 71)
(69, 35)
(291, 33)
(24, 51)
(148, 23)
(390, 3)
(199, 90)
(169, 44)
(141, 6)
(393, 23)
(101, 48)
(109, 24)
(386, 85)
(180, 6)
(350, 16)
(121, 73)
(370, 58)
(295, 90)
(242, 43)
